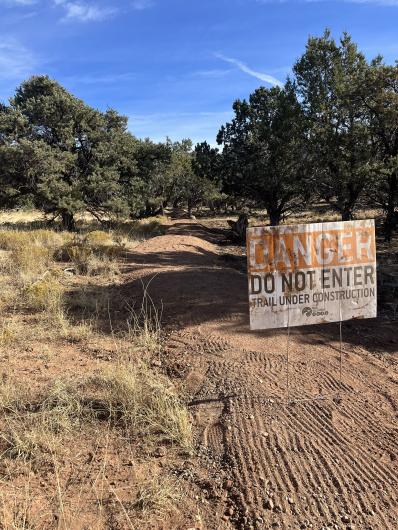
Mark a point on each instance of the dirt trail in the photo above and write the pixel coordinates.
(317, 463)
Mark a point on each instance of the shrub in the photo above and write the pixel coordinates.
(45, 293)
(31, 259)
(79, 254)
(91, 254)
(143, 403)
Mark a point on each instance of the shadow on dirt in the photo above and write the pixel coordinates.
(212, 235)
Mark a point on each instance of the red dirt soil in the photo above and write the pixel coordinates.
(326, 460)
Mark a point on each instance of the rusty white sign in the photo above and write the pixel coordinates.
(309, 274)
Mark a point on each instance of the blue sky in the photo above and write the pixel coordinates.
(174, 67)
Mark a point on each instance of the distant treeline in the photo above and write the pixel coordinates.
(330, 133)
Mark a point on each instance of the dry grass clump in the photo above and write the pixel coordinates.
(76, 332)
(12, 395)
(45, 293)
(29, 253)
(14, 511)
(133, 398)
(144, 404)
(99, 238)
(158, 497)
(103, 265)
(136, 231)
(144, 326)
(16, 239)
(92, 254)
(31, 259)
(9, 297)
(27, 437)
(38, 431)
(146, 229)
(8, 332)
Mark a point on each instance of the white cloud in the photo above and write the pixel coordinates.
(139, 5)
(16, 61)
(99, 79)
(247, 70)
(215, 73)
(84, 12)
(18, 2)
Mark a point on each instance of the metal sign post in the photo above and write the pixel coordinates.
(287, 358)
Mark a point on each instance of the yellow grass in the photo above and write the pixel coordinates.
(46, 293)
(144, 326)
(158, 497)
(131, 401)
(144, 404)
(133, 398)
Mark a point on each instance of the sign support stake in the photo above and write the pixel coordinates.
(341, 357)
(341, 350)
(287, 355)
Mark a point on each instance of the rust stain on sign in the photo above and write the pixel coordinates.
(308, 274)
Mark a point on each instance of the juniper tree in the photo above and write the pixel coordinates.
(263, 154)
(68, 156)
(380, 97)
(328, 77)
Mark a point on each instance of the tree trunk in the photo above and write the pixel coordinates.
(190, 206)
(239, 227)
(274, 217)
(347, 214)
(68, 221)
(390, 222)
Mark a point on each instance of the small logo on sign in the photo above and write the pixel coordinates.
(308, 312)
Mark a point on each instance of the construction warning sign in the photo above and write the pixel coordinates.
(308, 274)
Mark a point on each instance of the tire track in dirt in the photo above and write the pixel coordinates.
(328, 464)
(327, 461)
(318, 458)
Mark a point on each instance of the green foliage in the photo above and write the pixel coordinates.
(151, 188)
(264, 150)
(329, 76)
(66, 155)
(329, 133)
(379, 94)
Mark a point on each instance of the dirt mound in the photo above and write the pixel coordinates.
(187, 276)
(176, 243)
